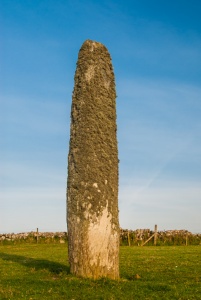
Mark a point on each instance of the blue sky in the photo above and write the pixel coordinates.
(156, 53)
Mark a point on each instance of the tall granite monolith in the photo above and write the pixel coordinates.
(92, 187)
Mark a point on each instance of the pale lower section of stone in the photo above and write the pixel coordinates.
(102, 240)
(95, 245)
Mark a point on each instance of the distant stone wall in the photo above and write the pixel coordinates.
(137, 237)
(31, 236)
(167, 237)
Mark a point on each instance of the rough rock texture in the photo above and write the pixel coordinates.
(92, 188)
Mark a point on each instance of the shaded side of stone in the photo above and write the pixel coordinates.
(92, 187)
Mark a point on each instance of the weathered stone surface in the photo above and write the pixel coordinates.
(92, 188)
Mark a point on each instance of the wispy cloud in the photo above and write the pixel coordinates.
(157, 61)
(173, 205)
(158, 120)
(32, 174)
(30, 208)
(155, 43)
(35, 115)
(159, 145)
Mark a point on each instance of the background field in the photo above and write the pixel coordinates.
(41, 271)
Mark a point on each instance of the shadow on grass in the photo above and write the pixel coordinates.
(38, 264)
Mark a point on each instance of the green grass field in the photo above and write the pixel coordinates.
(41, 271)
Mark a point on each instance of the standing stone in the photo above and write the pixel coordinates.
(92, 188)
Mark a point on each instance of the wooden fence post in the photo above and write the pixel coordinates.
(187, 239)
(129, 241)
(37, 235)
(155, 235)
